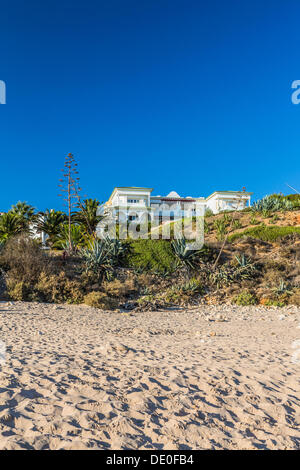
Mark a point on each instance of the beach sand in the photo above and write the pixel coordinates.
(208, 378)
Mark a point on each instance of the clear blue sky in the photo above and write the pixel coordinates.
(184, 95)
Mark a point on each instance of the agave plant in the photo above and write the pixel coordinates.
(98, 259)
(186, 256)
(117, 250)
(243, 261)
(272, 203)
(236, 224)
(245, 267)
(206, 227)
(282, 288)
(227, 274)
(192, 286)
(221, 276)
(221, 229)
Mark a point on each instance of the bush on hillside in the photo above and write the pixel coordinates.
(271, 233)
(51, 289)
(151, 255)
(100, 300)
(245, 298)
(23, 259)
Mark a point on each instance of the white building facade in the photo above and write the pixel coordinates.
(134, 204)
(228, 201)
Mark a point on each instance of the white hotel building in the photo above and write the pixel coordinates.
(132, 203)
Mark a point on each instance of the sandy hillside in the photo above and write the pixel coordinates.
(213, 377)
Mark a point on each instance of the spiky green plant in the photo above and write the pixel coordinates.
(254, 221)
(236, 224)
(185, 256)
(208, 212)
(221, 229)
(272, 203)
(10, 225)
(98, 259)
(226, 218)
(117, 250)
(282, 288)
(206, 227)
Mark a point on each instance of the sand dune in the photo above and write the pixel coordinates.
(209, 378)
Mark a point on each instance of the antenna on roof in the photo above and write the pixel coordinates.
(292, 188)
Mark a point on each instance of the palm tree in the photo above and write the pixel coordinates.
(62, 239)
(87, 215)
(50, 222)
(10, 224)
(25, 212)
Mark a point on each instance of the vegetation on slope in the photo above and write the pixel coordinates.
(268, 234)
(259, 262)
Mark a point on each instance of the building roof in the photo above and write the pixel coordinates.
(173, 194)
(245, 193)
(129, 188)
(132, 187)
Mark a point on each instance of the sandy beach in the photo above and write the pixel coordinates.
(209, 378)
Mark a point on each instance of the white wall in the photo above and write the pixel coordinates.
(222, 202)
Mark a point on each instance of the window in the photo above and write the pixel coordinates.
(133, 201)
(132, 217)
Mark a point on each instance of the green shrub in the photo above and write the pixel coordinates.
(54, 288)
(151, 255)
(183, 293)
(221, 229)
(254, 221)
(227, 218)
(206, 227)
(275, 218)
(61, 240)
(17, 290)
(236, 225)
(274, 303)
(245, 298)
(208, 212)
(58, 289)
(271, 233)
